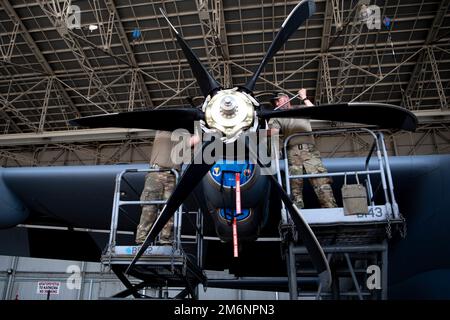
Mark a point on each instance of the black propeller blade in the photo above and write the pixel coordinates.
(168, 119)
(206, 82)
(188, 181)
(310, 241)
(298, 15)
(383, 115)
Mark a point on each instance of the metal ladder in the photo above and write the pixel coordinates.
(346, 257)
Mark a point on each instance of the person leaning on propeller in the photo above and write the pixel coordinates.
(301, 152)
(159, 185)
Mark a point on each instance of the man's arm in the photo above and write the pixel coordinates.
(274, 127)
(304, 98)
(193, 140)
(273, 132)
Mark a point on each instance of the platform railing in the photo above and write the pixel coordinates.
(383, 171)
(118, 203)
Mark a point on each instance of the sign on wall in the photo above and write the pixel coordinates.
(43, 287)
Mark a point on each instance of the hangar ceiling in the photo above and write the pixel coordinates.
(51, 73)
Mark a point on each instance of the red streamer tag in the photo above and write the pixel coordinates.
(238, 211)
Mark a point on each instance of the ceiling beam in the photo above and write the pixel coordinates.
(38, 54)
(323, 73)
(431, 36)
(74, 136)
(55, 16)
(9, 121)
(130, 54)
(222, 43)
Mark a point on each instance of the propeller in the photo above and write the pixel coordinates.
(382, 115)
(168, 119)
(304, 10)
(206, 82)
(188, 181)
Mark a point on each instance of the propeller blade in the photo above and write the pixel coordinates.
(168, 119)
(206, 82)
(308, 237)
(187, 183)
(303, 11)
(383, 115)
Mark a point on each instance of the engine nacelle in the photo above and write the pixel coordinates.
(220, 193)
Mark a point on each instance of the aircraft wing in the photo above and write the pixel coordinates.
(81, 197)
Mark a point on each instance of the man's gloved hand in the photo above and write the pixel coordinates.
(302, 94)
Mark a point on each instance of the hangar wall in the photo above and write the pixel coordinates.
(19, 277)
(423, 142)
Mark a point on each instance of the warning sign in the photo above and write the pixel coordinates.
(43, 287)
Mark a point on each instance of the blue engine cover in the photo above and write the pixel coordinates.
(228, 214)
(219, 189)
(224, 172)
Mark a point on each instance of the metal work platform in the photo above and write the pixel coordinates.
(160, 266)
(333, 227)
(355, 245)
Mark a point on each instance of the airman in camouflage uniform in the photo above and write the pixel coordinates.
(158, 186)
(303, 157)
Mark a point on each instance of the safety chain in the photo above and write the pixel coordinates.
(388, 226)
(403, 228)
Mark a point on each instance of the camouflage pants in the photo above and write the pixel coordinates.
(305, 158)
(158, 186)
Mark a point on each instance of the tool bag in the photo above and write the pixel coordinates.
(354, 197)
